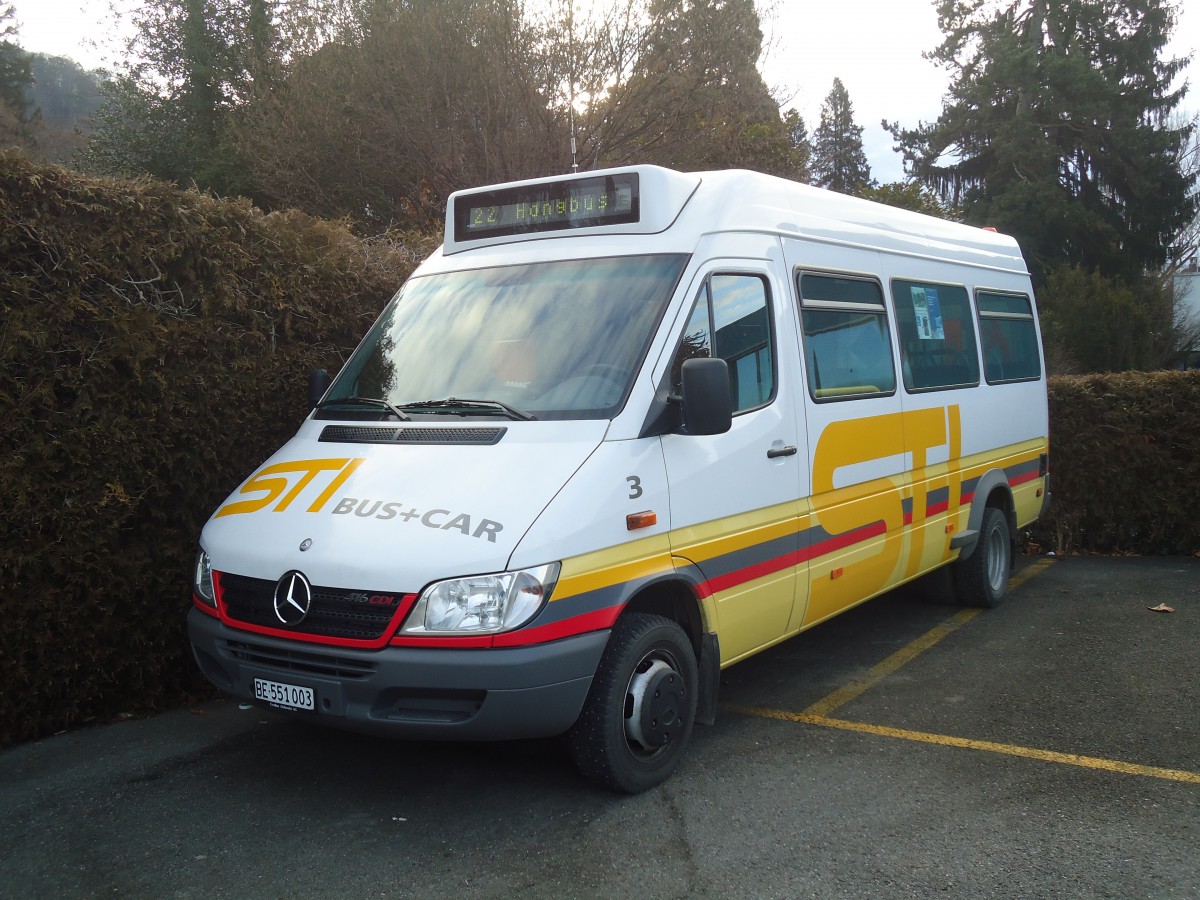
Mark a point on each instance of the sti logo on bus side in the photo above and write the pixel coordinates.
(283, 483)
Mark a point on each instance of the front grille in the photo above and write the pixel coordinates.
(300, 661)
(335, 613)
(358, 434)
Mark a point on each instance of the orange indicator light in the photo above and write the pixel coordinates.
(637, 520)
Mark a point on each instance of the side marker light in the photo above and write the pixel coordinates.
(637, 520)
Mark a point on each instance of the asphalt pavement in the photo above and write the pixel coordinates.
(1048, 748)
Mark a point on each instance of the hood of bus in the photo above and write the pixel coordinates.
(395, 516)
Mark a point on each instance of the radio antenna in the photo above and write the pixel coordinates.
(571, 100)
(574, 162)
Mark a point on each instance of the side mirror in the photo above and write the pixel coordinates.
(707, 402)
(318, 384)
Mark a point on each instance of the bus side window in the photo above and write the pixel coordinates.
(1009, 337)
(846, 345)
(740, 308)
(937, 335)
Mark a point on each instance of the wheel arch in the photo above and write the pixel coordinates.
(994, 490)
(672, 599)
(679, 599)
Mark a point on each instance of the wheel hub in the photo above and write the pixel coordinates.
(659, 697)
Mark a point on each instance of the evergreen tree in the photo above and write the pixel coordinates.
(63, 91)
(377, 109)
(1056, 129)
(401, 103)
(64, 96)
(838, 160)
(408, 103)
(696, 99)
(138, 131)
(1092, 323)
(15, 72)
(800, 144)
(189, 63)
(910, 195)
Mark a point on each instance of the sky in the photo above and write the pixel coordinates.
(874, 46)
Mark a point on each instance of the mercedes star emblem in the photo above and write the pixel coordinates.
(293, 598)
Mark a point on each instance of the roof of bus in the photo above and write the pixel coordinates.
(689, 205)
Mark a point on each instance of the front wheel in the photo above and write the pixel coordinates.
(982, 578)
(639, 712)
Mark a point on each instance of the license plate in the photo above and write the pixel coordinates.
(290, 696)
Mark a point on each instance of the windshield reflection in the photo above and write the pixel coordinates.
(557, 339)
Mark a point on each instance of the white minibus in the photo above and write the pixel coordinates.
(622, 430)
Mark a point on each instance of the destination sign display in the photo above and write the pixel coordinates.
(555, 206)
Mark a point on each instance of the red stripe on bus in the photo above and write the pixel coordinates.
(597, 620)
(788, 560)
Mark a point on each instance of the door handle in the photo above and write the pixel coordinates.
(774, 453)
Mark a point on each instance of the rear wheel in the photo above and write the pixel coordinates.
(982, 578)
(639, 712)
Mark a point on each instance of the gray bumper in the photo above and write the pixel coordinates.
(408, 692)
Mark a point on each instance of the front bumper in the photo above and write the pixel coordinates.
(418, 693)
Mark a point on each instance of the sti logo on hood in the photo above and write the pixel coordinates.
(276, 479)
(282, 483)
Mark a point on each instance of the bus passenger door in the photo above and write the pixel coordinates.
(734, 496)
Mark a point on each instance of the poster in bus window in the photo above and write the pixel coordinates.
(928, 313)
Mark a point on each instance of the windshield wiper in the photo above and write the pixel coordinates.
(458, 406)
(364, 401)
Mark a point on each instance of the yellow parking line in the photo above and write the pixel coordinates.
(818, 713)
(1029, 571)
(1069, 759)
(880, 671)
(908, 653)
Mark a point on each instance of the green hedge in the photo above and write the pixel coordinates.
(1124, 464)
(154, 345)
(153, 351)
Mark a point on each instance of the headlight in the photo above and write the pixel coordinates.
(202, 580)
(482, 604)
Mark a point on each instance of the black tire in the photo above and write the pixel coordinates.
(639, 712)
(982, 578)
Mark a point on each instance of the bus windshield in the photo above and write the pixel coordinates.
(552, 340)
